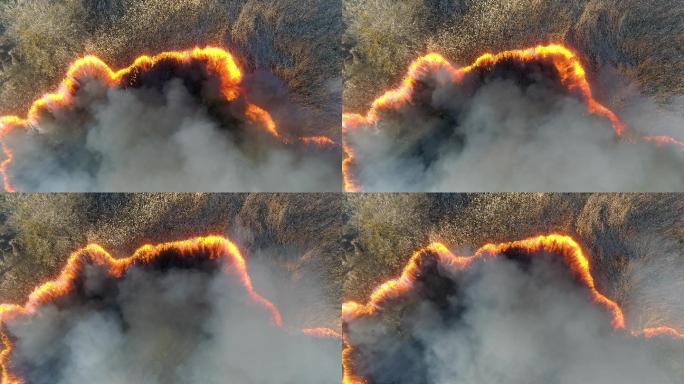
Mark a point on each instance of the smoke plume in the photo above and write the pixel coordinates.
(522, 120)
(520, 312)
(178, 121)
(183, 312)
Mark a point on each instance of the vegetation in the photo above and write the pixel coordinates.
(297, 41)
(634, 240)
(641, 39)
(298, 233)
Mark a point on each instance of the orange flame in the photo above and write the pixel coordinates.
(565, 246)
(7, 184)
(216, 60)
(258, 114)
(318, 141)
(8, 123)
(566, 62)
(348, 183)
(664, 140)
(324, 333)
(209, 247)
(660, 331)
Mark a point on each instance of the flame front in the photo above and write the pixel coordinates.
(323, 333)
(566, 63)
(561, 245)
(208, 248)
(216, 60)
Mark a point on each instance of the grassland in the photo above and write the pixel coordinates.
(640, 40)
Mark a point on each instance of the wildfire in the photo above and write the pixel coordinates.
(258, 114)
(7, 184)
(324, 333)
(200, 248)
(217, 61)
(660, 331)
(566, 63)
(561, 245)
(318, 141)
(664, 140)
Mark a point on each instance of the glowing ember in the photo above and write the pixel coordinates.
(561, 245)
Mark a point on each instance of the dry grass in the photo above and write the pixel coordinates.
(641, 39)
(634, 240)
(298, 41)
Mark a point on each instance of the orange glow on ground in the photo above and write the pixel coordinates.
(565, 246)
(216, 60)
(208, 248)
(566, 62)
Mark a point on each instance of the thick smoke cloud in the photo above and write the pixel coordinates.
(170, 130)
(166, 323)
(506, 320)
(515, 129)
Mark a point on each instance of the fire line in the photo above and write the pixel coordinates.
(565, 246)
(567, 64)
(208, 247)
(216, 60)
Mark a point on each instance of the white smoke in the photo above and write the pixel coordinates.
(176, 326)
(505, 137)
(131, 140)
(510, 323)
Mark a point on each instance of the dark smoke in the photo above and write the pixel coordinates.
(513, 128)
(167, 322)
(514, 319)
(168, 129)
